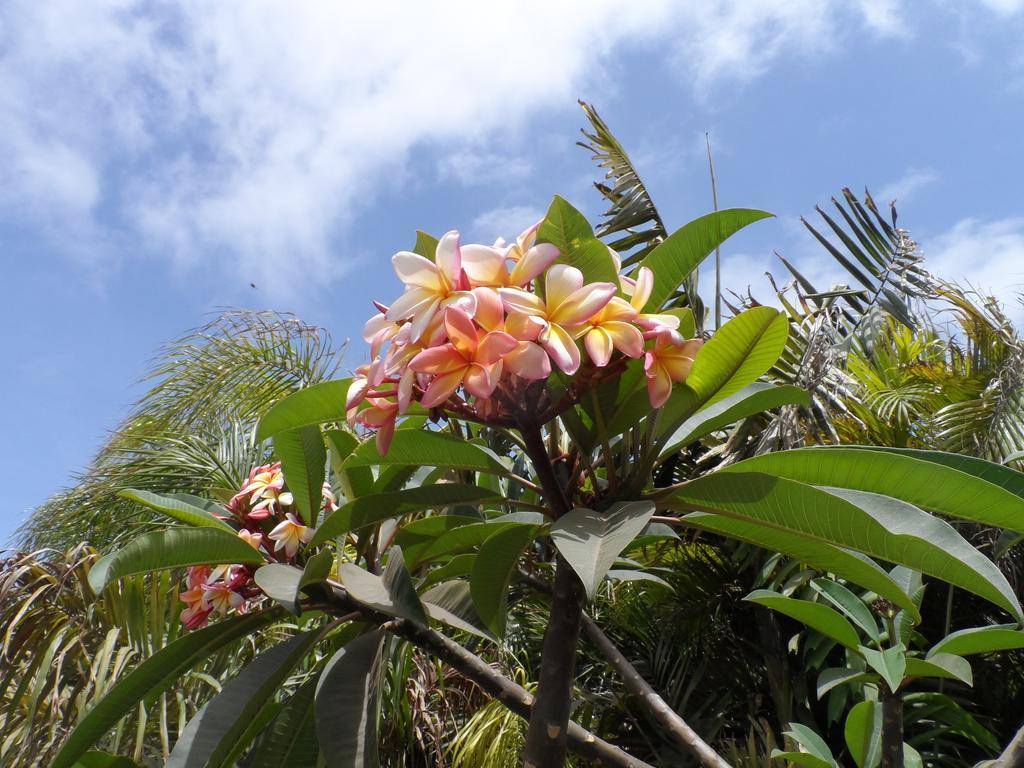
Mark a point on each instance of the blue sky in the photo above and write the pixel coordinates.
(160, 157)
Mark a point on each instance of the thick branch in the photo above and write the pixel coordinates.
(663, 714)
(649, 699)
(1013, 755)
(514, 697)
(892, 729)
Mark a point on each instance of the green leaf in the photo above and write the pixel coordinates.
(290, 740)
(571, 233)
(460, 565)
(283, 583)
(177, 509)
(462, 538)
(416, 448)
(818, 617)
(590, 541)
(850, 604)
(911, 757)
(875, 525)
(627, 574)
(154, 676)
(891, 663)
(850, 565)
(1000, 637)
(492, 573)
(392, 592)
(683, 251)
(347, 703)
(354, 482)
(172, 548)
(104, 760)
(863, 734)
(811, 742)
(833, 677)
(426, 245)
(941, 665)
(214, 733)
(312, 406)
(923, 483)
(303, 460)
(803, 759)
(419, 536)
(997, 474)
(753, 399)
(370, 509)
(451, 603)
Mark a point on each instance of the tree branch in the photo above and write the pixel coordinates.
(1013, 755)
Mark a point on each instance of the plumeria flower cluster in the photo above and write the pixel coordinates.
(264, 512)
(478, 320)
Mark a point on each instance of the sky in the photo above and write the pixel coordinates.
(158, 158)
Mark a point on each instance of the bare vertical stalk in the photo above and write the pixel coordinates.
(718, 248)
(892, 729)
(549, 718)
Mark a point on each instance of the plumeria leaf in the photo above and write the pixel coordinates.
(178, 509)
(153, 676)
(461, 539)
(942, 665)
(875, 525)
(172, 548)
(290, 740)
(569, 231)
(451, 603)
(416, 448)
(891, 663)
(847, 602)
(927, 484)
(966, 642)
(419, 536)
(348, 701)
(392, 592)
(682, 252)
(303, 460)
(591, 541)
(217, 730)
(631, 574)
(283, 583)
(460, 565)
(372, 508)
(812, 743)
(426, 245)
(863, 733)
(104, 760)
(753, 399)
(318, 404)
(833, 677)
(818, 617)
(492, 573)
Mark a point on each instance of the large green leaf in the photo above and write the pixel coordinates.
(863, 732)
(492, 573)
(941, 665)
(370, 509)
(354, 482)
(683, 251)
(818, 617)
(462, 538)
(967, 642)
(850, 604)
(753, 399)
(451, 603)
(177, 509)
(590, 541)
(927, 484)
(568, 230)
(850, 565)
(997, 474)
(172, 548)
(282, 582)
(290, 740)
(875, 525)
(105, 760)
(420, 536)
(318, 404)
(891, 663)
(392, 592)
(414, 447)
(347, 703)
(814, 746)
(833, 677)
(154, 676)
(215, 731)
(303, 458)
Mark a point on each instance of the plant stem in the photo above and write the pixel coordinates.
(892, 728)
(549, 719)
(1013, 755)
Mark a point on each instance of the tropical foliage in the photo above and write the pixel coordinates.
(553, 518)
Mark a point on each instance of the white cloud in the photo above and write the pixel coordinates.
(244, 136)
(989, 256)
(474, 167)
(902, 189)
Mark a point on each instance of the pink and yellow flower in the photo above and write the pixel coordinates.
(666, 363)
(552, 321)
(289, 534)
(610, 329)
(488, 265)
(472, 359)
